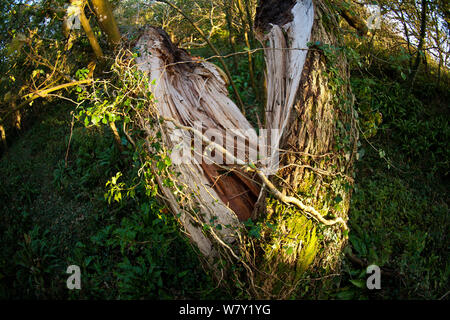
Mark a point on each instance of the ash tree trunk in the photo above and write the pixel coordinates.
(301, 201)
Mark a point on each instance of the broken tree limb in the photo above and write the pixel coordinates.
(309, 210)
(41, 94)
(196, 93)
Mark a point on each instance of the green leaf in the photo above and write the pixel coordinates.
(358, 283)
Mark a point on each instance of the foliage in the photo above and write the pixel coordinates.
(399, 213)
(289, 248)
(96, 207)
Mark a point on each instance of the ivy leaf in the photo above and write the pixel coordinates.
(358, 283)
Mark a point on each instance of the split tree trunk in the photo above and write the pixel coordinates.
(319, 136)
(310, 109)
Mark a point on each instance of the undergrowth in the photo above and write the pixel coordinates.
(56, 215)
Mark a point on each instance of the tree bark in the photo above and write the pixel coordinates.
(319, 136)
(3, 137)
